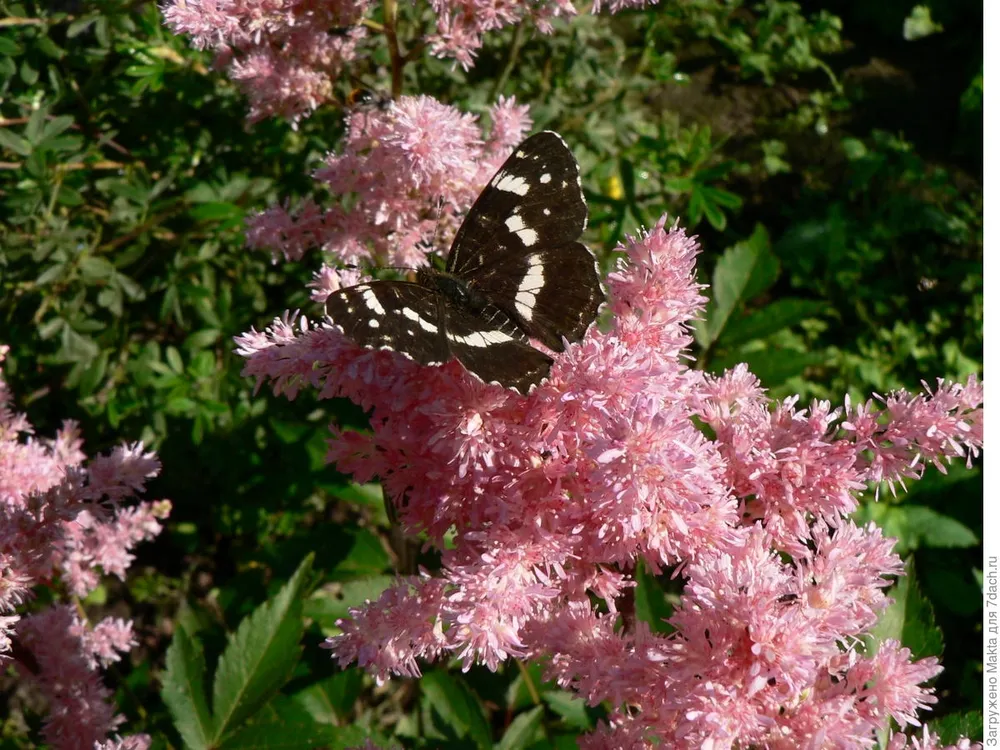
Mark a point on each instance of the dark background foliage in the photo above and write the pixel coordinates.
(825, 159)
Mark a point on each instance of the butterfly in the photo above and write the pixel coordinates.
(515, 272)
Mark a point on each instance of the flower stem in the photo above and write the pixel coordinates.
(389, 11)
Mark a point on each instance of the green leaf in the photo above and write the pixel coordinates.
(55, 126)
(952, 727)
(285, 725)
(722, 198)
(651, 605)
(522, 730)
(77, 347)
(920, 24)
(261, 655)
(854, 149)
(216, 211)
(93, 268)
(51, 274)
(184, 690)
(775, 317)
(174, 360)
(773, 365)
(570, 707)
(457, 706)
(917, 526)
(203, 338)
(327, 608)
(744, 271)
(14, 142)
(80, 25)
(909, 619)
(331, 701)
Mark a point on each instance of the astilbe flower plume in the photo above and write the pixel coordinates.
(410, 171)
(461, 24)
(284, 54)
(557, 497)
(63, 521)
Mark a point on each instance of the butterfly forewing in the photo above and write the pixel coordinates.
(393, 315)
(534, 200)
(551, 292)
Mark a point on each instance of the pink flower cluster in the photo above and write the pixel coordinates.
(287, 54)
(284, 54)
(461, 24)
(62, 519)
(555, 498)
(408, 173)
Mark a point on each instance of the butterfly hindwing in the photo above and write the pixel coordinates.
(393, 315)
(552, 292)
(534, 201)
(495, 353)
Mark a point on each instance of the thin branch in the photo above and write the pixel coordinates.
(515, 47)
(389, 10)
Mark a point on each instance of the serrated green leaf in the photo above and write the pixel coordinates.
(570, 707)
(184, 690)
(953, 727)
(522, 730)
(260, 656)
(285, 725)
(326, 607)
(366, 557)
(916, 526)
(909, 619)
(744, 271)
(775, 317)
(331, 701)
(457, 706)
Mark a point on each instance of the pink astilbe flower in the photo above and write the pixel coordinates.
(928, 741)
(63, 516)
(284, 54)
(80, 708)
(133, 742)
(461, 24)
(554, 498)
(410, 171)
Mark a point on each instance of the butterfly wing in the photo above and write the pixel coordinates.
(552, 292)
(534, 201)
(493, 348)
(396, 315)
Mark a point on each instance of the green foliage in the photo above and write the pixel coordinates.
(247, 709)
(844, 252)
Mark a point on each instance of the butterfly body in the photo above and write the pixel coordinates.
(455, 290)
(515, 273)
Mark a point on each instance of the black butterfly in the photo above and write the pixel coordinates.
(515, 271)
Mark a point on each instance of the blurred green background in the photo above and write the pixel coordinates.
(827, 154)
